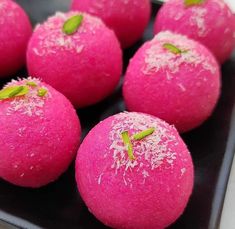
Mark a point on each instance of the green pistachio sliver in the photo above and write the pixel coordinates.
(72, 24)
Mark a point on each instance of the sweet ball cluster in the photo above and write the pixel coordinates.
(133, 170)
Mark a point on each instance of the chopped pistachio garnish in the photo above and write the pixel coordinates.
(193, 2)
(127, 142)
(31, 83)
(72, 24)
(143, 134)
(42, 92)
(172, 48)
(13, 91)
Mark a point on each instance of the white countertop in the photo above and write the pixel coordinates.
(231, 3)
(228, 214)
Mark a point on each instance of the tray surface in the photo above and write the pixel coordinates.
(59, 205)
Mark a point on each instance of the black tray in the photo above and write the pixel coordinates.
(59, 205)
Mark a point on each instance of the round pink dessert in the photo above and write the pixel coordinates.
(211, 23)
(173, 78)
(149, 189)
(40, 133)
(15, 31)
(128, 18)
(85, 66)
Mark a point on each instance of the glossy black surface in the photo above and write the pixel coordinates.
(59, 205)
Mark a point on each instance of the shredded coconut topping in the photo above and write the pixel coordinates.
(5, 12)
(157, 57)
(150, 152)
(97, 7)
(29, 104)
(2, 5)
(198, 19)
(178, 15)
(183, 171)
(220, 3)
(51, 37)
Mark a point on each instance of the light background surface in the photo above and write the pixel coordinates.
(232, 4)
(228, 215)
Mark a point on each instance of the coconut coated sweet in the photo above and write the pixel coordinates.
(173, 78)
(149, 191)
(128, 18)
(210, 22)
(40, 133)
(15, 31)
(85, 66)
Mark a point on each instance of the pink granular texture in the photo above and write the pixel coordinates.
(149, 192)
(128, 18)
(181, 89)
(211, 23)
(39, 137)
(85, 66)
(15, 31)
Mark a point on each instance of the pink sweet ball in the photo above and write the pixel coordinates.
(15, 31)
(128, 18)
(85, 66)
(40, 133)
(150, 191)
(181, 89)
(211, 23)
